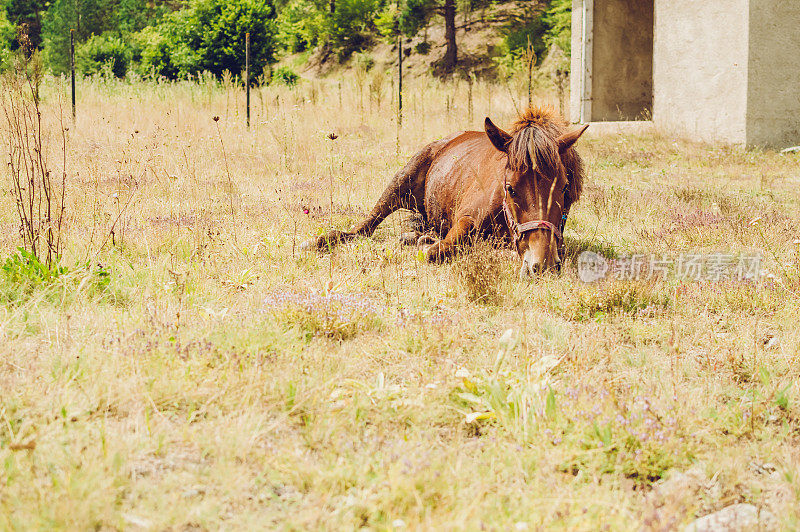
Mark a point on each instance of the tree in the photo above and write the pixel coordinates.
(26, 15)
(86, 17)
(130, 16)
(209, 35)
(351, 28)
(119, 18)
(7, 37)
(451, 50)
(534, 32)
(558, 20)
(101, 52)
(344, 27)
(302, 25)
(416, 15)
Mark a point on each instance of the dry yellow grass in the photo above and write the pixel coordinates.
(225, 380)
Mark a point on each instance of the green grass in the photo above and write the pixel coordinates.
(203, 373)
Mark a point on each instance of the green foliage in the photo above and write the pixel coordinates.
(363, 63)
(5, 58)
(100, 21)
(522, 37)
(27, 14)
(782, 399)
(285, 75)
(301, 25)
(416, 14)
(86, 17)
(156, 53)
(7, 29)
(558, 21)
(130, 16)
(173, 38)
(351, 27)
(102, 53)
(7, 35)
(25, 272)
(527, 33)
(388, 22)
(540, 30)
(23, 275)
(209, 35)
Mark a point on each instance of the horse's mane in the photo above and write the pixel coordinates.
(533, 145)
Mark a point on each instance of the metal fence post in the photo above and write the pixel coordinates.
(72, 67)
(247, 74)
(400, 80)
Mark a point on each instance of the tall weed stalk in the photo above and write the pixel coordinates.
(38, 195)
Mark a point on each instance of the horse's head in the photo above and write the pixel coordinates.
(536, 186)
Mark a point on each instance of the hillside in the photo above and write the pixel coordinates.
(482, 37)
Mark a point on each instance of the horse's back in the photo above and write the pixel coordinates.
(462, 170)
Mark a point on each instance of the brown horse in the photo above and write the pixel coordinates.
(516, 186)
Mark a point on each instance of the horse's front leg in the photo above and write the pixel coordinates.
(391, 200)
(458, 235)
(405, 191)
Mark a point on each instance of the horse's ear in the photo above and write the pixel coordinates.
(499, 138)
(566, 140)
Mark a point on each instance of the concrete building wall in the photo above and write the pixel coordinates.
(722, 70)
(622, 59)
(700, 68)
(773, 86)
(580, 76)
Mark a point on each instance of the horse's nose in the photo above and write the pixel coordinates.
(536, 263)
(532, 265)
(527, 272)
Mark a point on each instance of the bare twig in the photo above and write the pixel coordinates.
(40, 202)
(230, 179)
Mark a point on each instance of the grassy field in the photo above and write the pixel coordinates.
(197, 371)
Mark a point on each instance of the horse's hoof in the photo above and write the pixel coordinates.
(426, 240)
(433, 254)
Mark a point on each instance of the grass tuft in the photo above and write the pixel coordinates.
(23, 276)
(483, 274)
(337, 316)
(632, 298)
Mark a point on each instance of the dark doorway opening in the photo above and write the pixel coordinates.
(622, 60)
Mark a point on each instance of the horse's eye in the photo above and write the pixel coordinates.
(511, 191)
